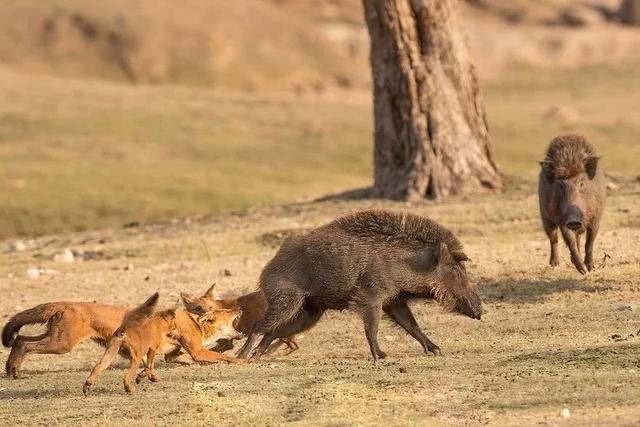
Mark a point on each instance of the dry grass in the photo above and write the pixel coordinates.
(79, 154)
(544, 343)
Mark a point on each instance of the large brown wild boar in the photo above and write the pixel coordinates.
(572, 192)
(372, 262)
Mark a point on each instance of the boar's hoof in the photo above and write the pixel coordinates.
(553, 262)
(580, 266)
(381, 354)
(436, 351)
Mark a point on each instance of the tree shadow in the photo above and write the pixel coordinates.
(355, 194)
(514, 291)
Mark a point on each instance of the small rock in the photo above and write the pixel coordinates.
(624, 307)
(563, 114)
(17, 246)
(612, 186)
(403, 370)
(128, 267)
(580, 16)
(566, 413)
(221, 394)
(65, 256)
(226, 272)
(36, 272)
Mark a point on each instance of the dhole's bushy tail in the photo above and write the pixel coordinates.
(142, 311)
(38, 314)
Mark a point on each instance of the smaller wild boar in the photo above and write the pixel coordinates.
(371, 262)
(572, 191)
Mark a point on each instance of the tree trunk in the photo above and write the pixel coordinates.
(431, 136)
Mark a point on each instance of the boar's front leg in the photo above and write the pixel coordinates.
(570, 240)
(401, 314)
(552, 233)
(592, 231)
(371, 317)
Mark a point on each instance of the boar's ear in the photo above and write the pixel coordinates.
(441, 253)
(209, 293)
(547, 169)
(460, 256)
(591, 166)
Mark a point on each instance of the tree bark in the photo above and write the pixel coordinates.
(431, 135)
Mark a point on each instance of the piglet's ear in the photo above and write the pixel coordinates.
(591, 166)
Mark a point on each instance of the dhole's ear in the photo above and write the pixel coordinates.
(209, 294)
(591, 166)
(169, 315)
(186, 298)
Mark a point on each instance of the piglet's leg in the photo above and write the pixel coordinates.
(570, 239)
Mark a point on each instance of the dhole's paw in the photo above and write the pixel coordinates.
(86, 387)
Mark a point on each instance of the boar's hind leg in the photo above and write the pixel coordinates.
(371, 317)
(401, 314)
(570, 240)
(552, 233)
(592, 231)
(306, 318)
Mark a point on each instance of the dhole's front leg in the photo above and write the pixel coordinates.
(201, 354)
(105, 361)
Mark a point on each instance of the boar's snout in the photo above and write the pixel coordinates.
(574, 218)
(470, 306)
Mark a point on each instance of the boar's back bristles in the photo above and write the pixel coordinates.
(398, 228)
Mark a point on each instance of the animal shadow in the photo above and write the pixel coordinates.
(514, 291)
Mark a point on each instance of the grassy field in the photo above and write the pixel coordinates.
(78, 154)
(550, 339)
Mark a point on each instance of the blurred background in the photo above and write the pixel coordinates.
(120, 111)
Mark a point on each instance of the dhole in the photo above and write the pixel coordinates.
(141, 333)
(69, 323)
(253, 306)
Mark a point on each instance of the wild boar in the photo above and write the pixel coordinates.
(371, 262)
(572, 192)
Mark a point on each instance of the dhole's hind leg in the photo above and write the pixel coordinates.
(105, 361)
(56, 341)
(552, 233)
(402, 315)
(17, 354)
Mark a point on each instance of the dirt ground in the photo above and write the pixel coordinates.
(550, 340)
